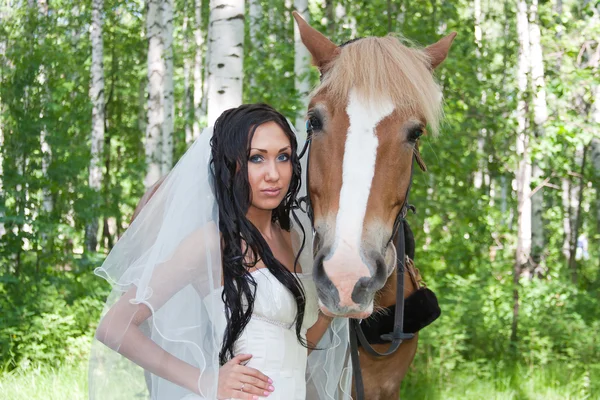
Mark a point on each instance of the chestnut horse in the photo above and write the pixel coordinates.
(375, 98)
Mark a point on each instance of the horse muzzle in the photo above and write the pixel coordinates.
(346, 282)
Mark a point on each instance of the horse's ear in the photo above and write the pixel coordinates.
(438, 51)
(322, 49)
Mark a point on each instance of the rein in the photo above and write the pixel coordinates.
(397, 336)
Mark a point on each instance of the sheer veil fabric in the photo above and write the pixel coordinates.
(169, 260)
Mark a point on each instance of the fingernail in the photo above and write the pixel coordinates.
(254, 397)
(267, 393)
(270, 380)
(271, 388)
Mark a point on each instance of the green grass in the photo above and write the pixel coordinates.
(469, 382)
(551, 382)
(69, 382)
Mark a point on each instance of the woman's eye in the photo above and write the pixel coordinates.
(255, 159)
(283, 157)
(415, 134)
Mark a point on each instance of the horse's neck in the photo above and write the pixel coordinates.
(387, 295)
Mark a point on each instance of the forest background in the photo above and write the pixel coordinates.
(98, 98)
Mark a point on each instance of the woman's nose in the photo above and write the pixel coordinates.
(272, 172)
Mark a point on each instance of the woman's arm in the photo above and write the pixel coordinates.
(119, 330)
(316, 332)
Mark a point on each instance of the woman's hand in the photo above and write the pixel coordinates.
(240, 382)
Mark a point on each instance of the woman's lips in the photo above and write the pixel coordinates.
(272, 192)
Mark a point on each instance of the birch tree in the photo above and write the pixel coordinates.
(595, 159)
(478, 178)
(523, 175)
(199, 82)
(97, 98)
(156, 74)
(595, 154)
(301, 66)
(3, 13)
(187, 83)
(168, 90)
(226, 56)
(540, 115)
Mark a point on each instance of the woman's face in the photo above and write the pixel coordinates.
(269, 166)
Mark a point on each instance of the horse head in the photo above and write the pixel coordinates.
(375, 99)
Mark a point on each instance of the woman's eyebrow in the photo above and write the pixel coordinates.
(265, 151)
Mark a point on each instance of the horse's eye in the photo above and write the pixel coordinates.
(314, 123)
(415, 134)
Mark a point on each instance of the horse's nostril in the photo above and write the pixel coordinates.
(361, 290)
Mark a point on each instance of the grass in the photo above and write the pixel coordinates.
(519, 382)
(68, 382)
(469, 382)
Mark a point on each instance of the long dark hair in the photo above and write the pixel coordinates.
(233, 133)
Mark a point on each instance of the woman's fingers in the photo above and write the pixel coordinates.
(256, 386)
(240, 359)
(255, 373)
(247, 383)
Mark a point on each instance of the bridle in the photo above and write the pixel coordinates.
(397, 336)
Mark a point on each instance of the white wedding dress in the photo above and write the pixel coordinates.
(270, 336)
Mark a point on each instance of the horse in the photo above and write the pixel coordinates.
(375, 98)
(374, 101)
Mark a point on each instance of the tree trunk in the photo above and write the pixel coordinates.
(575, 233)
(226, 60)
(595, 156)
(199, 82)
(478, 178)
(46, 151)
(301, 66)
(254, 16)
(168, 92)
(3, 17)
(254, 19)
(540, 115)
(566, 207)
(156, 74)
(187, 68)
(523, 175)
(98, 117)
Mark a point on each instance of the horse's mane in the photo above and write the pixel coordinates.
(379, 67)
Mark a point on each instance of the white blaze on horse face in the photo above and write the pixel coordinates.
(345, 265)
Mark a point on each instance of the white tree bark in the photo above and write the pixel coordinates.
(254, 16)
(523, 174)
(199, 82)
(156, 75)
(301, 66)
(540, 115)
(478, 177)
(254, 19)
(226, 60)
(168, 91)
(595, 152)
(187, 68)
(97, 98)
(46, 151)
(566, 206)
(3, 17)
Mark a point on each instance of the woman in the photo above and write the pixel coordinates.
(209, 297)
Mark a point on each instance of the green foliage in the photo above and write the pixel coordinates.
(49, 320)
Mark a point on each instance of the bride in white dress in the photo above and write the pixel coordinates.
(209, 297)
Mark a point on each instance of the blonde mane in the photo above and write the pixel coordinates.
(380, 67)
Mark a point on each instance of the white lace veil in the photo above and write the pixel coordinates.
(169, 260)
